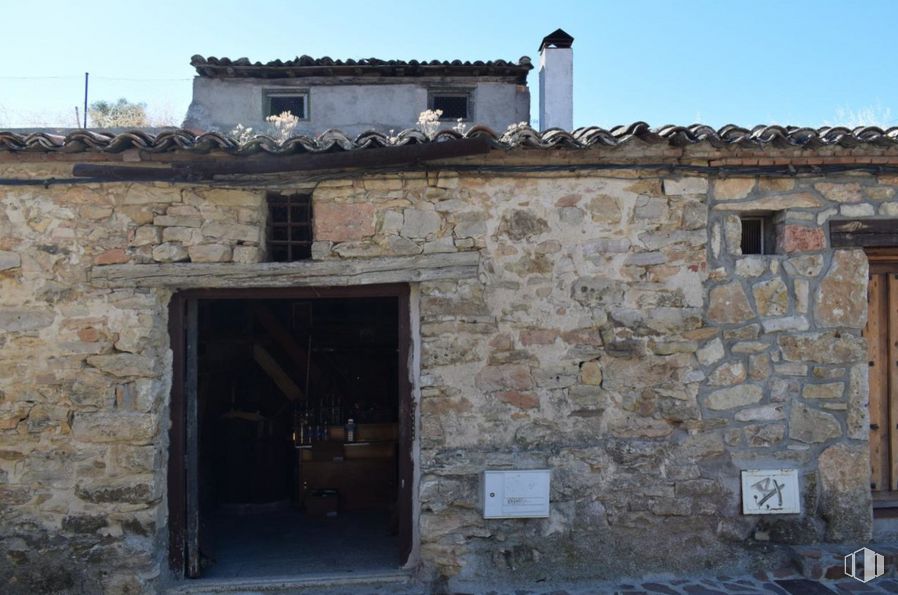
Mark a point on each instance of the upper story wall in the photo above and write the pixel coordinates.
(221, 104)
(356, 96)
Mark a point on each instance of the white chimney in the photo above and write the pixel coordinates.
(556, 81)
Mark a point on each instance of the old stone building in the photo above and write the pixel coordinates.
(573, 302)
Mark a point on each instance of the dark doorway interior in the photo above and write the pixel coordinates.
(284, 489)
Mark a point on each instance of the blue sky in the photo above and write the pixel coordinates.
(726, 61)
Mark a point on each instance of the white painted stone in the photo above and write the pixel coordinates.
(787, 323)
(751, 266)
(860, 210)
(680, 186)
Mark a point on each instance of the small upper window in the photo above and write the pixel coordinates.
(289, 227)
(757, 235)
(454, 105)
(295, 103)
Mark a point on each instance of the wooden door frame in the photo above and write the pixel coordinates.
(884, 261)
(178, 432)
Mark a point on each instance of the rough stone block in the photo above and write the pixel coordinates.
(114, 256)
(236, 231)
(188, 236)
(771, 297)
(124, 364)
(418, 223)
(15, 320)
(736, 396)
(840, 192)
(9, 260)
(799, 200)
(809, 265)
(680, 186)
(841, 300)
(247, 254)
(823, 348)
(728, 304)
(521, 400)
(170, 253)
(342, 222)
(146, 235)
(727, 374)
(762, 413)
(210, 253)
(798, 238)
(811, 425)
(504, 377)
(171, 221)
(710, 353)
(830, 390)
(733, 188)
(845, 489)
(788, 323)
(751, 266)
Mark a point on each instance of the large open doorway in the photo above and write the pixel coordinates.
(291, 441)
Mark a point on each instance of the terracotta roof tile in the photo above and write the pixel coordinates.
(522, 136)
(306, 66)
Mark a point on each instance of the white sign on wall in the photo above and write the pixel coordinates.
(770, 491)
(516, 494)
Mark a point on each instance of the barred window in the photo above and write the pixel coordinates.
(453, 105)
(757, 234)
(289, 227)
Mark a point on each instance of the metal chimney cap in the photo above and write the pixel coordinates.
(557, 38)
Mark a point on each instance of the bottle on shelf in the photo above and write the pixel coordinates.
(350, 430)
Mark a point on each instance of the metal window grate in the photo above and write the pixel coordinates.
(289, 227)
(753, 235)
(453, 106)
(295, 104)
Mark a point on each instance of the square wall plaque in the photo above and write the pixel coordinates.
(772, 491)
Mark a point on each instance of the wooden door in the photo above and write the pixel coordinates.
(882, 344)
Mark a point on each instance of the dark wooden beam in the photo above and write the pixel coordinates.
(268, 164)
(309, 273)
(862, 233)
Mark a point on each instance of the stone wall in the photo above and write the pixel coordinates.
(615, 335)
(618, 337)
(85, 373)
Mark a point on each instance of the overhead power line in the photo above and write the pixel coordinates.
(104, 78)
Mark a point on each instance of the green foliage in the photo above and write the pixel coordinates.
(121, 114)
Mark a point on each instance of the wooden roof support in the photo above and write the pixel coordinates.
(277, 373)
(186, 171)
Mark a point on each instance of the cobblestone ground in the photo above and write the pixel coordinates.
(781, 582)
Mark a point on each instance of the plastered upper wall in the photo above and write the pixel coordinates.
(221, 104)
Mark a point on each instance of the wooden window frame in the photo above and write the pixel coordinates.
(267, 94)
(296, 249)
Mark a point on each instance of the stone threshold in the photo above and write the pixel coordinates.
(322, 273)
(397, 578)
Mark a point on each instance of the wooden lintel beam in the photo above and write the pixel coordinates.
(860, 233)
(324, 273)
(276, 373)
